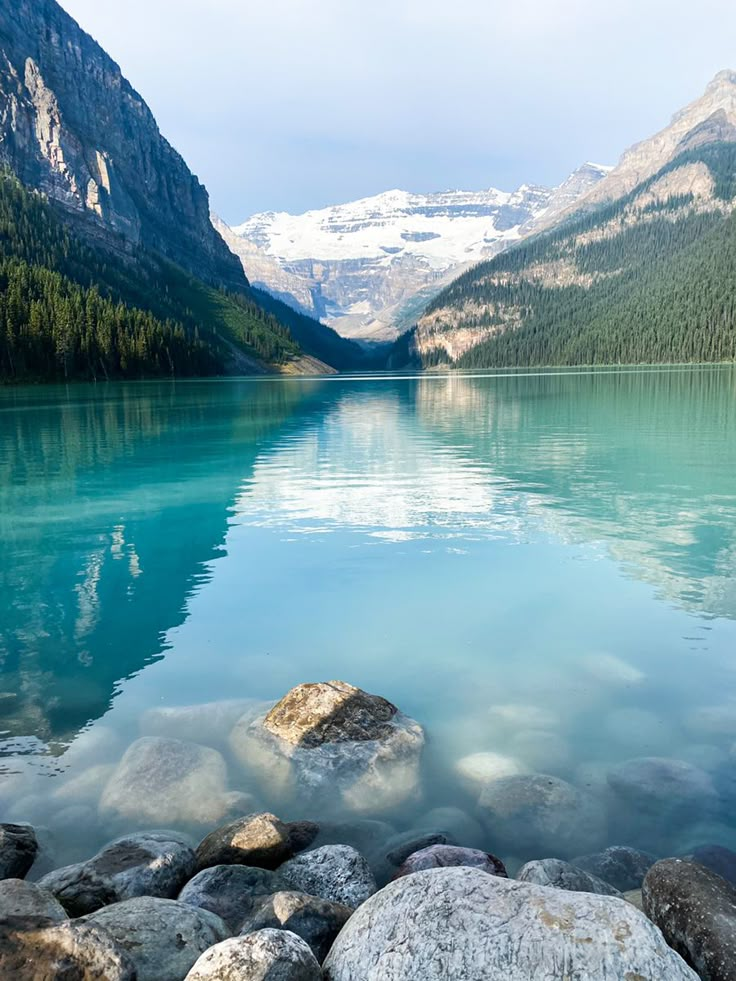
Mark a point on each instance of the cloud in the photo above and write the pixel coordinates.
(288, 104)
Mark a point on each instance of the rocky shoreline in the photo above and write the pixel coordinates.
(527, 887)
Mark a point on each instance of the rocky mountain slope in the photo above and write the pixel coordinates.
(367, 266)
(640, 270)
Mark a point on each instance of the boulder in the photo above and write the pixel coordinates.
(392, 853)
(268, 955)
(208, 723)
(167, 782)
(557, 874)
(444, 856)
(331, 743)
(620, 865)
(27, 899)
(153, 863)
(541, 813)
(478, 769)
(163, 938)
(316, 921)
(18, 850)
(457, 824)
(335, 872)
(718, 859)
(230, 891)
(462, 923)
(260, 840)
(33, 950)
(696, 911)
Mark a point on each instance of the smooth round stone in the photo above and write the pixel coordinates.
(153, 863)
(163, 937)
(557, 874)
(268, 955)
(620, 865)
(260, 840)
(541, 813)
(316, 921)
(662, 788)
(478, 769)
(696, 911)
(444, 856)
(21, 898)
(18, 850)
(230, 891)
(335, 872)
(71, 951)
(461, 923)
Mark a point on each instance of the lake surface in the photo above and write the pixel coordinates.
(541, 566)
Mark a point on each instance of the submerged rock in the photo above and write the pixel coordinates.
(162, 937)
(167, 782)
(331, 740)
(260, 840)
(620, 865)
(27, 899)
(153, 863)
(230, 891)
(696, 911)
(557, 874)
(268, 955)
(542, 813)
(718, 859)
(462, 923)
(34, 951)
(478, 769)
(457, 824)
(386, 860)
(445, 856)
(317, 921)
(18, 850)
(208, 723)
(335, 872)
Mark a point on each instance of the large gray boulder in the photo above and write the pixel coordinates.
(557, 874)
(268, 955)
(316, 921)
(541, 813)
(620, 865)
(230, 891)
(163, 937)
(696, 911)
(256, 839)
(461, 923)
(446, 856)
(153, 863)
(28, 899)
(331, 743)
(335, 872)
(167, 782)
(32, 950)
(18, 850)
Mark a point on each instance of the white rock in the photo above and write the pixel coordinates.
(478, 769)
(265, 955)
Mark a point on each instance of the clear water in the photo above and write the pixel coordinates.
(562, 541)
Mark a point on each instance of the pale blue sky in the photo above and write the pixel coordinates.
(290, 105)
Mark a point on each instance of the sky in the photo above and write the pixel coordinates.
(289, 105)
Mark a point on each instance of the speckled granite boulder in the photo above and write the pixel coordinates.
(449, 856)
(335, 872)
(268, 955)
(32, 950)
(620, 865)
(28, 899)
(260, 840)
(316, 921)
(230, 891)
(557, 874)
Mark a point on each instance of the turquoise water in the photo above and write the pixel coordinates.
(537, 565)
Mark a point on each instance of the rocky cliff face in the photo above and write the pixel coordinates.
(366, 267)
(95, 149)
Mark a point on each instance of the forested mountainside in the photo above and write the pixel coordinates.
(114, 269)
(648, 278)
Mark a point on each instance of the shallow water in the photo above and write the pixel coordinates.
(537, 565)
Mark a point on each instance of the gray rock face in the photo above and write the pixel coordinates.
(26, 899)
(154, 863)
(445, 856)
(18, 850)
(268, 955)
(257, 839)
(167, 782)
(330, 742)
(462, 923)
(230, 891)
(335, 872)
(557, 874)
(316, 921)
(71, 951)
(620, 865)
(718, 859)
(95, 148)
(541, 813)
(162, 937)
(696, 911)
